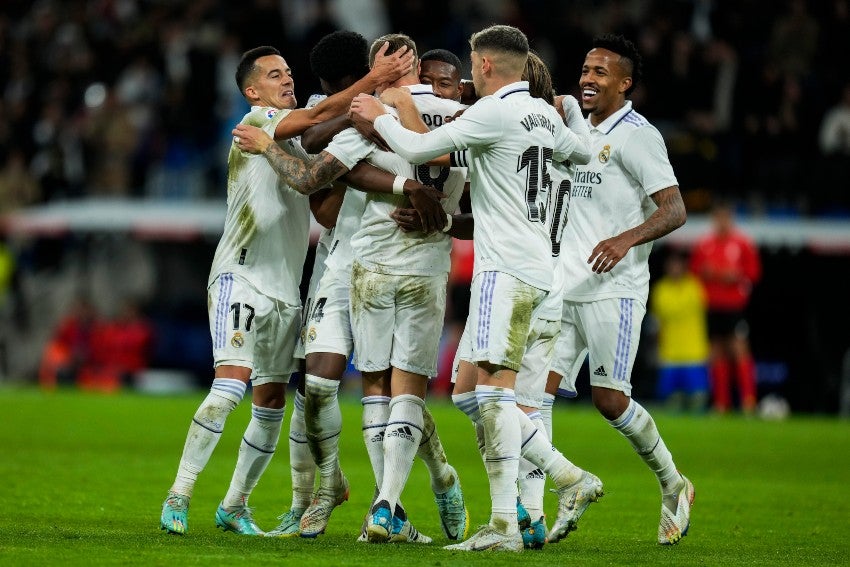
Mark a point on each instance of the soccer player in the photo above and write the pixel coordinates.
(441, 69)
(253, 295)
(512, 139)
(328, 343)
(626, 197)
(339, 59)
(538, 455)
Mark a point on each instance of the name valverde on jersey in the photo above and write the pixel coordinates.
(512, 140)
(266, 229)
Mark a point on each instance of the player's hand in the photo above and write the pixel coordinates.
(456, 115)
(395, 96)
(608, 253)
(569, 108)
(407, 220)
(367, 130)
(426, 201)
(367, 107)
(251, 139)
(389, 68)
(468, 95)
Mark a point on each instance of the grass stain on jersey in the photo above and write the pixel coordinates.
(247, 223)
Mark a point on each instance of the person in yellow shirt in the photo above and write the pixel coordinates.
(678, 303)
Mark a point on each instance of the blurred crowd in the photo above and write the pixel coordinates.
(137, 97)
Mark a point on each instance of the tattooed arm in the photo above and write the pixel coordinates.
(669, 216)
(306, 177)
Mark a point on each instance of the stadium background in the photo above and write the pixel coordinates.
(115, 118)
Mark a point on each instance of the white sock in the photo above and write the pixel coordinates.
(532, 479)
(432, 453)
(502, 435)
(205, 431)
(376, 412)
(546, 413)
(256, 450)
(468, 404)
(537, 449)
(639, 428)
(323, 419)
(401, 441)
(301, 464)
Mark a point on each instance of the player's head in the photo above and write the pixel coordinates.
(499, 54)
(611, 71)
(441, 68)
(396, 41)
(723, 216)
(339, 60)
(539, 78)
(264, 78)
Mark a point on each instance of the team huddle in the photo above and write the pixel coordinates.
(563, 212)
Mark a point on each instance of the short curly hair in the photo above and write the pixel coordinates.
(630, 57)
(443, 55)
(340, 54)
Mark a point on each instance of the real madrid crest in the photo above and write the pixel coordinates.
(311, 336)
(238, 340)
(605, 154)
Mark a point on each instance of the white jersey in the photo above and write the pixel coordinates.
(559, 204)
(340, 256)
(512, 140)
(267, 226)
(610, 195)
(380, 245)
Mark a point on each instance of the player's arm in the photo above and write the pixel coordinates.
(317, 137)
(325, 204)
(480, 124)
(306, 177)
(386, 69)
(669, 216)
(401, 99)
(578, 134)
(461, 227)
(425, 199)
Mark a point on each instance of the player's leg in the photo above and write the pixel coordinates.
(501, 314)
(277, 328)
(328, 346)
(227, 390)
(613, 330)
(745, 367)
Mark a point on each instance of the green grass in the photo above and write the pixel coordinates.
(83, 477)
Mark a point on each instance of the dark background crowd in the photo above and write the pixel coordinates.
(137, 98)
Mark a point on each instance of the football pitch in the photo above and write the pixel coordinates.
(84, 477)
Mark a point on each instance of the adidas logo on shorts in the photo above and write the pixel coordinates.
(404, 432)
(536, 473)
(600, 371)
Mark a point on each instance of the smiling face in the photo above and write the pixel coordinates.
(603, 83)
(443, 77)
(271, 83)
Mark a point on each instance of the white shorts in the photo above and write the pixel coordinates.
(328, 327)
(534, 370)
(252, 330)
(501, 312)
(315, 276)
(397, 320)
(609, 330)
(532, 375)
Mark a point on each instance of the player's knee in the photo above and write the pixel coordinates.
(610, 403)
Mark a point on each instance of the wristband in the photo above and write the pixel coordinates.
(398, 185)
(449, 219)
